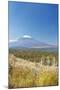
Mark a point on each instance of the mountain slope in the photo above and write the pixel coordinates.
(29, 42)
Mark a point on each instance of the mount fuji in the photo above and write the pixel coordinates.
(29, 42)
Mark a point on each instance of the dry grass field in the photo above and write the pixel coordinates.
(25, 73)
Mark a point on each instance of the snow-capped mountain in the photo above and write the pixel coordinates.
(28, 42)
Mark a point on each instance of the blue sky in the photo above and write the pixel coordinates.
(39, 21)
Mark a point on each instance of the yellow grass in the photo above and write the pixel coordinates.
(24, 73)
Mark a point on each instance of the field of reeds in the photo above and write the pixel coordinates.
(29, 68)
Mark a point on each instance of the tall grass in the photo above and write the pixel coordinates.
(24, 73)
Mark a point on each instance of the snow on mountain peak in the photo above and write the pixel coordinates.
(27, 36)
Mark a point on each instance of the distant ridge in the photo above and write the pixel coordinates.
(29, 42)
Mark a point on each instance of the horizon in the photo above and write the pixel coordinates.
(33, 20)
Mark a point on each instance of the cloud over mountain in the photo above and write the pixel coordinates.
(13, 40)
(27, 36)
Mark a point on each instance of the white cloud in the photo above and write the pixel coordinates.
(27, 36)
(15, 40)
(10, 41)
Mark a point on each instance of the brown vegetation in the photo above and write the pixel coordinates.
(23, 72)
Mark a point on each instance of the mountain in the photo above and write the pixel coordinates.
(29, 42)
